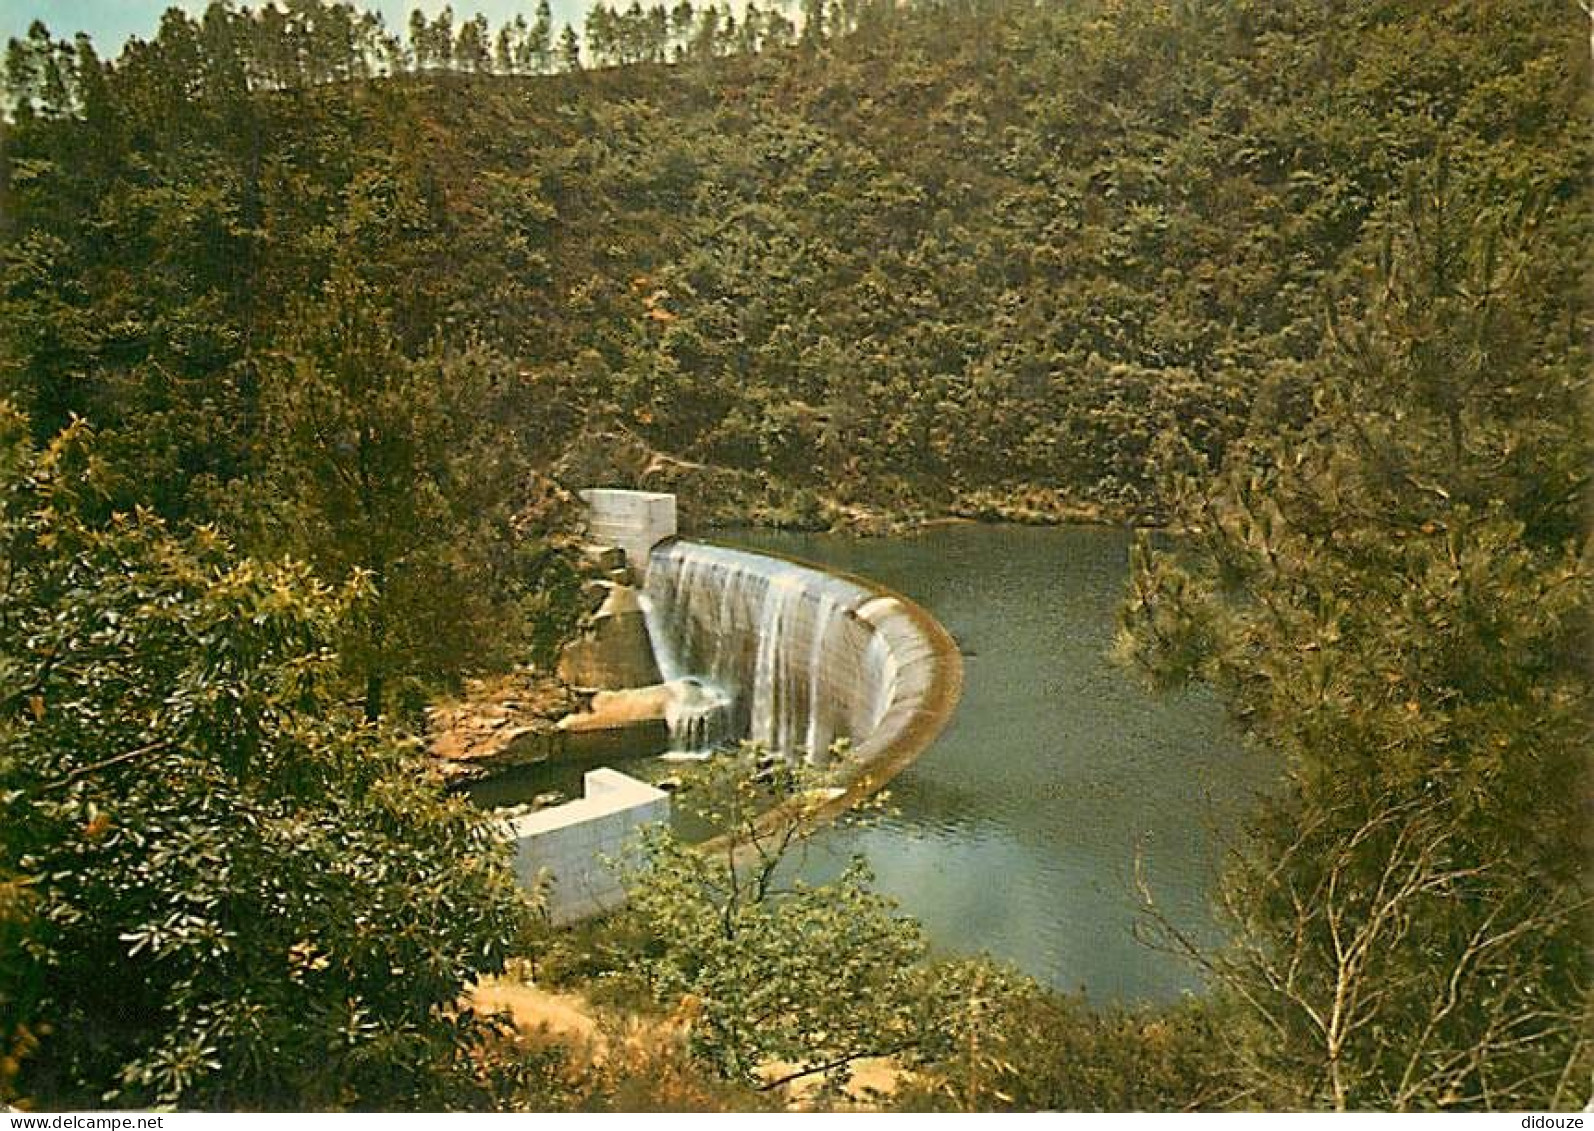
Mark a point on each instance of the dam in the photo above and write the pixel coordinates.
(737, 645)
(789, 656)
(1020, 826)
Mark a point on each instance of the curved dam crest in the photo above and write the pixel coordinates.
(797, 656)
(738, 645)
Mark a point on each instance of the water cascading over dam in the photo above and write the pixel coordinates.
(736, 645)
(781, 651)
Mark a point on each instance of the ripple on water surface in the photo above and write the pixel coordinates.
(1016, 833)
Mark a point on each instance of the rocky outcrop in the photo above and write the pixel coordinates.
(509, 721)
(613, 650)
(624, 723)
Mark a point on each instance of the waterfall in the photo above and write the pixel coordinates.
(698, 716)
(773, 707)
(769, 650)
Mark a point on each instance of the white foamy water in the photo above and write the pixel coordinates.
(774, 647)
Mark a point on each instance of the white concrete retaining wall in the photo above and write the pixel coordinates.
(635, 521)
(572, 843)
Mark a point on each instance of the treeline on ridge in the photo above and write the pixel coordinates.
(949, 260)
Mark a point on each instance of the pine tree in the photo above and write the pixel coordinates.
(420, 39)
(570, 50)
(473, 48)
(385, 467)
(1396, 599)
(541, 38)
(442, 38)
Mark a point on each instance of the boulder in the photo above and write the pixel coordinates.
(509, 721)
(627, 723)
(614, 651)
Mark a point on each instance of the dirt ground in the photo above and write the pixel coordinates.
(569, 1019)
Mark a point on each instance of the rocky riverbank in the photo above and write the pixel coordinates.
(502, 722)
(725, 497)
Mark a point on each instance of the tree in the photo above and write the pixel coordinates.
(540, 39)
(998, 1041)
(442, 33)
(234, 893)
(506, 49)
(473, 48)
(420, 39)
(602, 34)
(706, 40)
(779, 981)
(1360, 1010)
(813, 33)
(752, 29)
(391, 468)
(658, 36)
(1396, 598)
(817, 977)
(570, 50)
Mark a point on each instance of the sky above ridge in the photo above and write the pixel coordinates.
(110, 22)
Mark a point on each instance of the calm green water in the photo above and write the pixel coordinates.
(1016, 833)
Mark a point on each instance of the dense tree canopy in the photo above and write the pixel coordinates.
(927, 257)
(232, 893)
(1396, 596)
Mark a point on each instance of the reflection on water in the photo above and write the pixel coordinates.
(1016, 832)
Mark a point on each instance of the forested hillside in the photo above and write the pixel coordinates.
(1305, 279)
(949, 257)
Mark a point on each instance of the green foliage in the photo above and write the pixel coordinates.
(764, 968)
(1003, 1043)
(776, 981)
(928, 254)
(236, 895)
(1396, 596)
(1306, 277)
(257, 352)
(406, 473)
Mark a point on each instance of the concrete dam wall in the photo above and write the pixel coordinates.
(757, 646)
(743, 645)
(795, 657)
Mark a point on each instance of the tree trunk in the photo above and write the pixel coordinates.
(373, 697)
